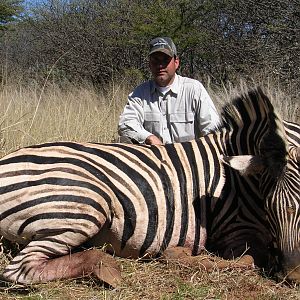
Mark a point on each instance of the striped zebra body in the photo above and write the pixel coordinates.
(142, 196)
(141, 200)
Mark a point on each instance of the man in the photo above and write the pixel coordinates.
(170, 108)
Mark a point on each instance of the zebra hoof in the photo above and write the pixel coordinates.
(183, 256)
(246, 261)
(108, 270)
(179, 255)
(176, 253)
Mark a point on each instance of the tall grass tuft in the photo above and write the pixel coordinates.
(285, 104)
(31, 115)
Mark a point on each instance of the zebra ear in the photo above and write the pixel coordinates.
(245, 164)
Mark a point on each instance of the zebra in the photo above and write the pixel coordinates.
(232, 192)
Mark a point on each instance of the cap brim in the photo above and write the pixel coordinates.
(163, 50)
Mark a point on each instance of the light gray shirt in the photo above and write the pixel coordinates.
(183, 113)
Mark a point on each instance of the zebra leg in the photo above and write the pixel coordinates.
(34, 265)
(184, 256)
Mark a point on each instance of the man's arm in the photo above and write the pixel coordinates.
(206, 113)
(131, 123)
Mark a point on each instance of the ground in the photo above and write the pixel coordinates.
(157, 280)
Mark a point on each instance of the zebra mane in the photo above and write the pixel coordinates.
(253, 111)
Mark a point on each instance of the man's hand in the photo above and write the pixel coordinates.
(153, 140)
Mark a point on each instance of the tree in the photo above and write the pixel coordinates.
(9, 10)
(99, 40)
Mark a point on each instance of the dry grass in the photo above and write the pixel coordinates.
(285, 104)
(30, 115)
(155, 280)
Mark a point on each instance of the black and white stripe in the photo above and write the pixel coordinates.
(142, 199)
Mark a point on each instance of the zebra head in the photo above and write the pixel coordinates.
(272, 156)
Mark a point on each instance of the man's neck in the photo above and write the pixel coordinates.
(169, 84)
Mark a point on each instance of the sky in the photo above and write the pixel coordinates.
(29, 3)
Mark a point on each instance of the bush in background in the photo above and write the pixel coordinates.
(99, 40)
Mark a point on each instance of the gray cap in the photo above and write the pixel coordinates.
(163, 44)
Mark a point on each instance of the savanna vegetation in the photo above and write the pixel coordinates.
(99, 40)
(68, 65)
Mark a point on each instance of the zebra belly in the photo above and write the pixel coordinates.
(112, 239)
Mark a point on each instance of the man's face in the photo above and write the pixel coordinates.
(163, 68)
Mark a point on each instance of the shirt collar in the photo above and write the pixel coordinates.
(174, 86)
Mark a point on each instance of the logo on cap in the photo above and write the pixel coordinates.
(163, 44)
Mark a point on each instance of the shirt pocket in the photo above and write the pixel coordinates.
(152, 122)
(183, 126)
(186, 117)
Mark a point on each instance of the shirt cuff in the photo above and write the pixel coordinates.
(139, 136)
(142, 135)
